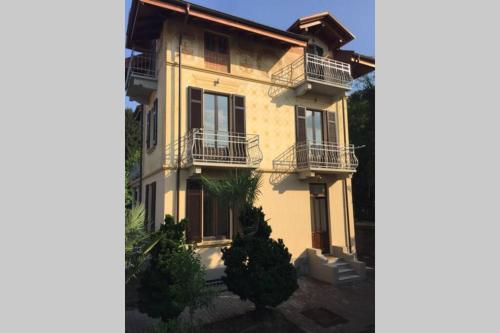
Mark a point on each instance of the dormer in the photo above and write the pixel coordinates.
(325, 68)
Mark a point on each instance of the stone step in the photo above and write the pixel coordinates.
(342, 264)
(345, 269)
(351, 277)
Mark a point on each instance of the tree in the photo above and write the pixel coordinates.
(258, 267)
(237, 190)
(132, 149)
(174, 276)
(132, 137)
(135, 238)
(361, 106)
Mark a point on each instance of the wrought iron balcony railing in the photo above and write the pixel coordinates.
(314, 68)
(142, 65)
(324, 156)
(201, 147)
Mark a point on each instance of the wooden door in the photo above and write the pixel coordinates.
(319, 217)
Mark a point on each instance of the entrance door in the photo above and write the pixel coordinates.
(319, 217)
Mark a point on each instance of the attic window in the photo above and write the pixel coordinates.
(216, 52)
(315, 49)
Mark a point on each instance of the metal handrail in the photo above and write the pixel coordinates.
(314, 155)
(142, 64)
(201, 146)
(311, 67)
(325, 155)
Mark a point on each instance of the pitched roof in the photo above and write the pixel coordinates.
(146, 18)
(326, 25)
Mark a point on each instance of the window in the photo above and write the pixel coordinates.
(215, 120)
(314, 126)
(315, 49)
(216, 52)
(208, 217)
(215, 217)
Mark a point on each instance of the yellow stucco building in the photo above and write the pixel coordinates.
(219, 95)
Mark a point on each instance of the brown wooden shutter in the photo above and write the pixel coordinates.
(195, 107)
(331, 120)
(146, 207)
(153, 206)
(238, 122)
(148, 130)
(193, 210)
(155, 122)
(300, 123)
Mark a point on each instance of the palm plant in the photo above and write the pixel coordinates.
(135, 236)
(239, 191)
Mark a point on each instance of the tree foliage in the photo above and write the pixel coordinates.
(258, 267)
(237, 190)
(174, 277)
(132, 136)
(136, 237)
(361, 106)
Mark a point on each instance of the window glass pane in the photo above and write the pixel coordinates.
(309, 125)
(208, 119)
(222, 121)
(208, 223)
(318, 129)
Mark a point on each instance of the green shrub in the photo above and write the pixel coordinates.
(174, 277)
(258, 268)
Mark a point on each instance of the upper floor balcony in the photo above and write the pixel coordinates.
(207, 148)
(316, 74)
(309, 158)
(140, 76)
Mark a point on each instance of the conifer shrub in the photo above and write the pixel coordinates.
(258, 268)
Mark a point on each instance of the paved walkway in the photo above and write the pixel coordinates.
(356, 303)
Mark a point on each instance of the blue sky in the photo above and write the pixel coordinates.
(358, 16)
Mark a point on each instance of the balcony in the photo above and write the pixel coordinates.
(310, 158)
(312, 73)
(140, 79)
(205, 148)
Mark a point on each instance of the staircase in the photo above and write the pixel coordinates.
(335, 270)
(344, 272)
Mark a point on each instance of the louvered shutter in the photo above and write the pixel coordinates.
(155, 122)
(153, 206)
(239, 125)
(148, 130)
(193, 210)
(300, 124)
(331, 119)
(146, 207)
(195, 107)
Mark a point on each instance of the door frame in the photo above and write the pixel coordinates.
(327, 208)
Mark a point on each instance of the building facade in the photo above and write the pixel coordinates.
(221, 95)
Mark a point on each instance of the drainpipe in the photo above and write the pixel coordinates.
(141, 160)
(178, 170)
(346, 197)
